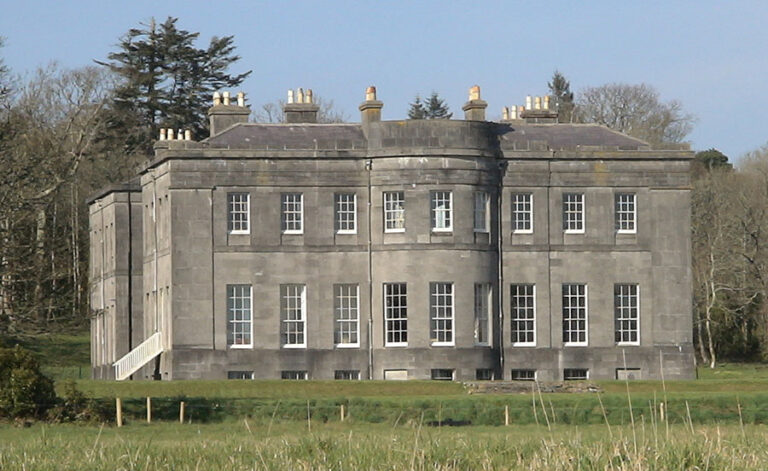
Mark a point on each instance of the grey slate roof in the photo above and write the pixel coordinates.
(567, 136)
(351, 136)
(290, 136)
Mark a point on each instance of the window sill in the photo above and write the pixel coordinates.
(295, 346)
(394, 231)
(443, 344)
(442, 231)
(627, 344)
(348, 345)
(574, 231)
(301, 232)
(347, 232)
(524, 345)
(396, 345)
(572, 344)
(240, 347)
(523, 231)
(239, 232)
(626, 231)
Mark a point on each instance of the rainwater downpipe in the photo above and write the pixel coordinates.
(368, 165)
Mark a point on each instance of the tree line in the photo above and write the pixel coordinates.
(66, 133)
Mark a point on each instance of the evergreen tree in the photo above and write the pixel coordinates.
(432, 108)
(166, 81)
(417, 110)
(562, 97)
(436, 108)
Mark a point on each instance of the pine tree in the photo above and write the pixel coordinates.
(417, 110)
(166, 81)
(436, 108)
(562, 97)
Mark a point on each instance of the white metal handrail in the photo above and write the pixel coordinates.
(138, 357)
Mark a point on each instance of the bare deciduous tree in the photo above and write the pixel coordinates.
(635, 110)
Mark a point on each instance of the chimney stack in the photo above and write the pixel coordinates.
(302, 109)
(474, 109)
(222, 114)
(370, 109)
(540, 113)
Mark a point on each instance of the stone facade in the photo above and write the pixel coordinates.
(398, 249)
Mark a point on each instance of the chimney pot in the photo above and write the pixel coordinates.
(528, 102)
(537, 103)
(180, 135)
(514, 112)
(370, 93)
(290, 96)
(300, 95)
(546, 102)
(170, 134)
(240, 99)
(162, 134)
(226, 98)
(474, 93)
(216, 98)
(308, 96)
(505, 114)
(187, 135)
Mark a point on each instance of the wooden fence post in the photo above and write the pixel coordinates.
(341, 412)
(149, 410)
(119, 411)
(661, 411)
(181, 412)
(506, 415)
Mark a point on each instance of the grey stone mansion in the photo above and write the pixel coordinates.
(523, 249)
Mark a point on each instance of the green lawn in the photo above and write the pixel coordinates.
(248, 445)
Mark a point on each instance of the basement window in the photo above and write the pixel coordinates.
(347, 374)
(575, 374)
(293, 374)
(240, 375)
(523, 375)
(442, 374)
(484, 374)
(628, 373)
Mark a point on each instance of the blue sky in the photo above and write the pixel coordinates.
(711, 56)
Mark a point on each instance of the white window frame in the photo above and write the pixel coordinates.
(297, 375)
(522, 213)
(292, 213)
(346, 314)
(482, 212)
(625, 207)
(624, 313)
(515, 296)
(236, 206)
(293, 318)
(352, 375)
(244, 309)
(441, 210)
(441, 314)
(346, 206)
(523, 371)
(401, 310)
(483, 301)
(568, 317)
(394, 211)
(584, 378)
(573, 213)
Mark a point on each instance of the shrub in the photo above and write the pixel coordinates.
(73, 406)
(25, 392)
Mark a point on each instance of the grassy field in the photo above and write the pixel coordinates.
(242, 445)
